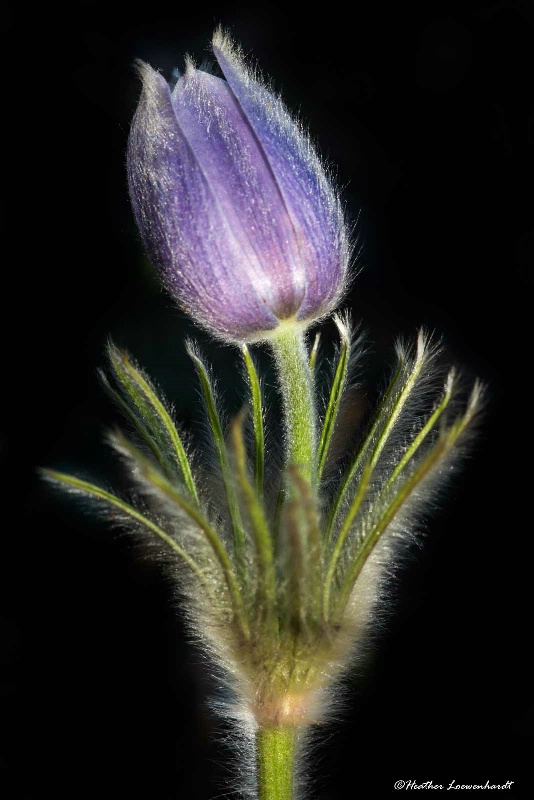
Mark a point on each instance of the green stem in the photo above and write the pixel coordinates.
(298, 399)
(275, 748)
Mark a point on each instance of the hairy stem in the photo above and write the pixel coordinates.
(275, 749)
(298, 399)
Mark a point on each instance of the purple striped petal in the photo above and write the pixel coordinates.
(233, 204)
(234, 164)
(184, 229)
(312, 203)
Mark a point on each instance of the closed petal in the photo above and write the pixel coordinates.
(235, 166)
(312, 203)
(185, 231)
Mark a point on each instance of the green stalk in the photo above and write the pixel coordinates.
(298, 399)
(275, 748)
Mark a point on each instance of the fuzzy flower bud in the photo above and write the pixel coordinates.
(233, 204)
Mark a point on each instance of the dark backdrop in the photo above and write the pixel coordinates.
(428, 115)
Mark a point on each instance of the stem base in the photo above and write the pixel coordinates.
(275, 748)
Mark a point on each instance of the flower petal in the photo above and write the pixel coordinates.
(184, 230)
(313, 204)
(236, 169)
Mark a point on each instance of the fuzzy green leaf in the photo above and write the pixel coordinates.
(314, 352)
(364, 483)
(341, 539)
(427, 428)
(155, 479)
(304, 496)
(259, 526)
(96, 492)
(257, 420)
(338, 385)
(297, 587)
(397, 394)
(222, 453)
(140, 402)
(447, 440)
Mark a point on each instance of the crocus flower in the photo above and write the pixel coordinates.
(233, 204)
(280, 562)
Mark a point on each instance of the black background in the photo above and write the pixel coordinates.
(428, 114)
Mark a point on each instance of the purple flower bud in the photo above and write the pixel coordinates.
(233, 203)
